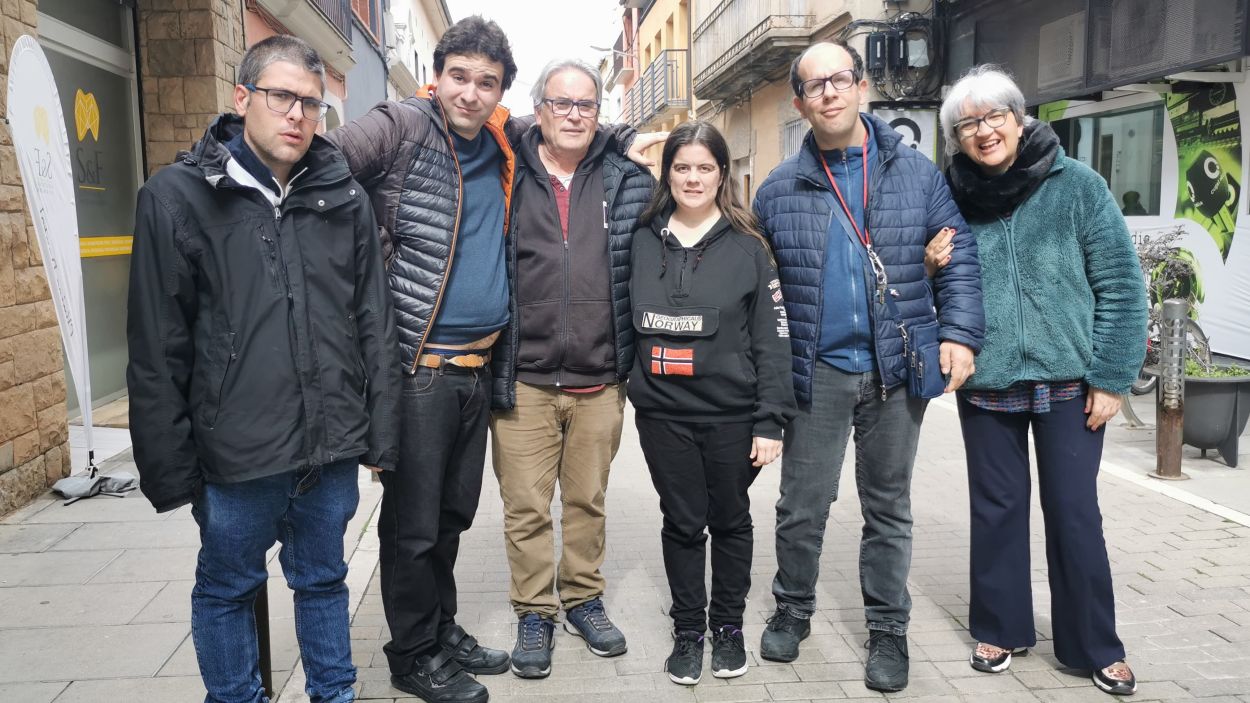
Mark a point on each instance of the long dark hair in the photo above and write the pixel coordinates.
(727, 199)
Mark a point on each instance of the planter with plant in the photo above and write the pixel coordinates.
(1217, 395)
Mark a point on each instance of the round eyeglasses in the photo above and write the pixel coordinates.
(993, 119)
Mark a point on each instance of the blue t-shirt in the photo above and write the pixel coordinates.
(475, 297)
(845, 325)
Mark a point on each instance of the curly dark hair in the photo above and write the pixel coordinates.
(476, 35)
(857, 65)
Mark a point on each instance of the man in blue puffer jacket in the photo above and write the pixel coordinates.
(848, 218)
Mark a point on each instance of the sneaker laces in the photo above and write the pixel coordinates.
(532, 632)
(594, 613)
(729, 636)
(687, 642)
(785, 621)
(883, 641)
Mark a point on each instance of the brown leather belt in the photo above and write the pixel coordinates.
(466, 361)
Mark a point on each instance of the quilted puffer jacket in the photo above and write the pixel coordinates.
(402, 153)
(909, 203)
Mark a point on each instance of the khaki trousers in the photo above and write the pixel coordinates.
(555, 436)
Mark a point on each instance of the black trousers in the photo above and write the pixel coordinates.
(702, 473)
(1082, 604)
(427, 502)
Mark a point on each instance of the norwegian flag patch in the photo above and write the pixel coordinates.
(672, 362)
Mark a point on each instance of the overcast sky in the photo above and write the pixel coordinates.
(540, 32)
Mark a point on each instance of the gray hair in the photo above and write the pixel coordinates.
(280, 47)
(539, 91)
(986, 87)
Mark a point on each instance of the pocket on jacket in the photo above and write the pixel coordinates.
(225, 355)
(538, 326)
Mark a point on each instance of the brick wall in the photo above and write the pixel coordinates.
(189, 52)
(33, 434)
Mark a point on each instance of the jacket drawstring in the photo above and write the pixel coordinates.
(664, 233)
(698, 254)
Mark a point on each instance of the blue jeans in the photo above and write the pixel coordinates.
(886, 432)
(308, 512)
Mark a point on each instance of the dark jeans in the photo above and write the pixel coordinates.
(1082, 604)
(307, 511)
(886, 432)
(702, 473)
(427, 502)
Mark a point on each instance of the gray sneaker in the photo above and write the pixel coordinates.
(780, 642)
(590, 622)
(887, 665)
(535, 637)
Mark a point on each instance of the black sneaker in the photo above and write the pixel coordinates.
(685, 664)
(531, 657)
(590, 622)
(729, 653)
(780, 642)
(439, 679)
(471, 656)
(886, 669)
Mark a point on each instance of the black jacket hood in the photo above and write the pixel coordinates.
(323, 161)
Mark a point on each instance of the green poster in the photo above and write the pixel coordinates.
(1208, 151)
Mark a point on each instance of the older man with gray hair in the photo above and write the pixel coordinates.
(561, 364)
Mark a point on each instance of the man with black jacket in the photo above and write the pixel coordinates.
(562, 362)
(263, 365)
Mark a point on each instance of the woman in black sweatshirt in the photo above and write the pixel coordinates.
(710, 386)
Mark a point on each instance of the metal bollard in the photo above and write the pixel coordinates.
(1173, 338)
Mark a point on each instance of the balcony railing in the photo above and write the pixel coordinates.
(339, 13)
(622, 61)
(663, 89)
(741, 42)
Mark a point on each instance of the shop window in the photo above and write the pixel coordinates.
(1126, 148)
(99, 18)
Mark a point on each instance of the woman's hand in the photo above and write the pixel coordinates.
(764, 451)
(938, 252)
(1101, 406)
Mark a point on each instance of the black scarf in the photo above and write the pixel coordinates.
(981, 196)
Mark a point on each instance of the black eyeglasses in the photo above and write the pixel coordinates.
(281, 101)
(993, 119)
(841, 82)
(561, 107)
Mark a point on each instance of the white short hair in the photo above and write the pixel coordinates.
(986, 87)
(539, 91)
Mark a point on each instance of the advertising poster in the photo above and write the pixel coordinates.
(1207, 127)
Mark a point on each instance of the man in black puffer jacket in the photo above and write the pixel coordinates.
(561, 364)
(439, 170)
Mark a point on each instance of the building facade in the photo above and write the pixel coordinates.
(418, 25)
(147, 76)
(1160, 113)
(727, 61)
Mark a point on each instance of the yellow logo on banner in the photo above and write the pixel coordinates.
(86, 115)
(41, 124)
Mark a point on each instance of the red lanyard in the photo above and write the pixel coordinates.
(864, 235)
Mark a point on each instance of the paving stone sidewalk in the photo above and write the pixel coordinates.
(95, 597)
(1182, 579)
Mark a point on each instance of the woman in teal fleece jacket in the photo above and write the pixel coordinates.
(1065, 311)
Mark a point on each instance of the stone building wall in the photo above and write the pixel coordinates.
(34, 452)
(189, 50)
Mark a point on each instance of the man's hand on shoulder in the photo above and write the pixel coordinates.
(374, 469)
(642, 142)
